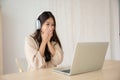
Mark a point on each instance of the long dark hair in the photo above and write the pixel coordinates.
(37, 35)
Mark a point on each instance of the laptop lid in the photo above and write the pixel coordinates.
(89, 56)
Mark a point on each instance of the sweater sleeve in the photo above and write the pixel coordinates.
(33, 56)
(58, 57)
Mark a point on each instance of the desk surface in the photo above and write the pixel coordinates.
(110, 71)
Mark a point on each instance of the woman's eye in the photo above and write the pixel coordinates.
(47, 24)
(52, 24)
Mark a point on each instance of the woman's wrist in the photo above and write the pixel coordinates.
(43, 43)
(42, 48)
(51, 48)
(48, 43)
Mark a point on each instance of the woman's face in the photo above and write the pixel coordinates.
(48, 24)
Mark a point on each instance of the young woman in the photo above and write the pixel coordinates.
(43, 48)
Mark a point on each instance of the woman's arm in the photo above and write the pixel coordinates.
(58, 55)
(34, 58)
(42, 48)
(51, 48)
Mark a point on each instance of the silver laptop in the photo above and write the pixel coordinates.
(88, 56)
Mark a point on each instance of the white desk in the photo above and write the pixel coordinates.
(110, 71)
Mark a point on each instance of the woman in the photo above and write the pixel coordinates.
(43, 48)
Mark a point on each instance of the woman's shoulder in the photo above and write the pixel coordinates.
(29, 37)
(31, 41)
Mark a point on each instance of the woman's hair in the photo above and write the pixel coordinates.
(37, 35)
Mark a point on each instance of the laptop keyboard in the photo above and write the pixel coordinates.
(66, 71)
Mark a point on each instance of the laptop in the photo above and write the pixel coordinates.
(88, 56)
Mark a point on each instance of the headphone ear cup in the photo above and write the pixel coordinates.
(38, 24)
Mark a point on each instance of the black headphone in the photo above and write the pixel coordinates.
(38, 24)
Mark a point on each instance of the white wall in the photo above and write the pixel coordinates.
(77, 20)
(119, 23)
(18, 21)
(1, 54)
(83, 21)
(115, 29)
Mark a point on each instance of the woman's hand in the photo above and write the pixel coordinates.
(50, 34)
(47, 34)
(45, 39)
